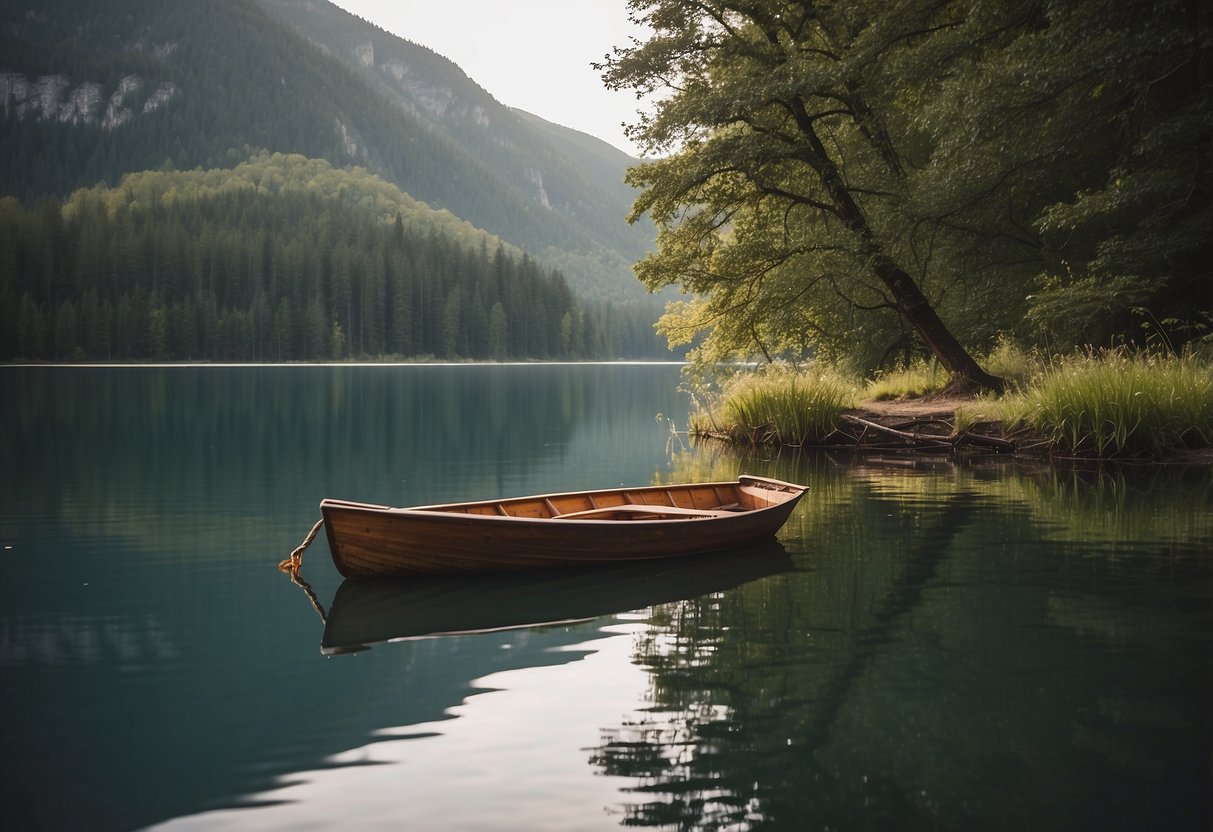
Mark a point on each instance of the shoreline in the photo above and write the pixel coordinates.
(927, 426)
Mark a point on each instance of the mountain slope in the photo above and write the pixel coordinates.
(91, 91)
(571, 183)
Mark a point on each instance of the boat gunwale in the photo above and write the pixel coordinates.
(452, 510)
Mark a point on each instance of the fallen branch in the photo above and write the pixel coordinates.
(917, 439)
(995, 442)
(929, 440)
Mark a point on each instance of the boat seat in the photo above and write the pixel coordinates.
(673, 511)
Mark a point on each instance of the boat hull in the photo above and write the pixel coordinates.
(620, 525)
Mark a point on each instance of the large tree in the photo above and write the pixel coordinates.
(848, 176)
(784, 179)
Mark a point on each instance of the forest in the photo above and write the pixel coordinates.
(281, 258)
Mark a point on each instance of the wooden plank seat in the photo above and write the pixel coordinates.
(671, 511)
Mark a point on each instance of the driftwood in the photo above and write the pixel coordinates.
(928, 441)
(996, 442)
(913, 438)
(899, 436)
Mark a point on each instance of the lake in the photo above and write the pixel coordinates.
(980, 645)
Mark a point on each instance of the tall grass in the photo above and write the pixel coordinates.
(923, 378)
(1116, 403)
(777, 407)
(917, 379)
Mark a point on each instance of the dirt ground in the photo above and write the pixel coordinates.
(942, 407)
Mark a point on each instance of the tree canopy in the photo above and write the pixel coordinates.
(865, 179)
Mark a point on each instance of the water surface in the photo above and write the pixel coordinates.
(984, 645)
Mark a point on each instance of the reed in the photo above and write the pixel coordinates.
(777, 407)
(1114, 403)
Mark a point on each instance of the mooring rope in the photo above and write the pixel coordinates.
(299, 581)
(295, 561)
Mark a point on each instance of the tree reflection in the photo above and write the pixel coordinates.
(938, 661)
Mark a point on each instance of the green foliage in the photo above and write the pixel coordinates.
(1120, 403)
(1105, 404)
(1008, 158)
(777, 407)
(1009, 361)
(281, 258)
(788, 203)
(1134, 246)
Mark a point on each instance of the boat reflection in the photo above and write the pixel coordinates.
(367, 611)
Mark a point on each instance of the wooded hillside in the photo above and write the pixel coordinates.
(281, 258)
(94, 91)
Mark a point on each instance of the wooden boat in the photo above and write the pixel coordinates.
(573, 529)
(367, 611)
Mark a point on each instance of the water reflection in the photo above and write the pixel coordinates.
(989, 649)
(954, 646)
(84, 640)
(155, 664)
(366, 611)
(508, 758)
(92, 440)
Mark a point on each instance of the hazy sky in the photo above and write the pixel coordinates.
(530, 54)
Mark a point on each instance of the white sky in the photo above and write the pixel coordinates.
(530, 54)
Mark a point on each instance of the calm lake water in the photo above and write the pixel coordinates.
(980, 646)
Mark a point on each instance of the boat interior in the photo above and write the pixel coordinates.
(657, 502)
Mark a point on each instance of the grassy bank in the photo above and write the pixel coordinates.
(776, 407)
(1116, 403)
(926, 378)
(1104, 404)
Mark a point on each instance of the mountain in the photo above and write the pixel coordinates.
(92, 91)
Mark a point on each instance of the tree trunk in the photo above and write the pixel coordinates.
(912, 304)
(967, 374)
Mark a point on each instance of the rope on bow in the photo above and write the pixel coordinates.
(292, 563)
